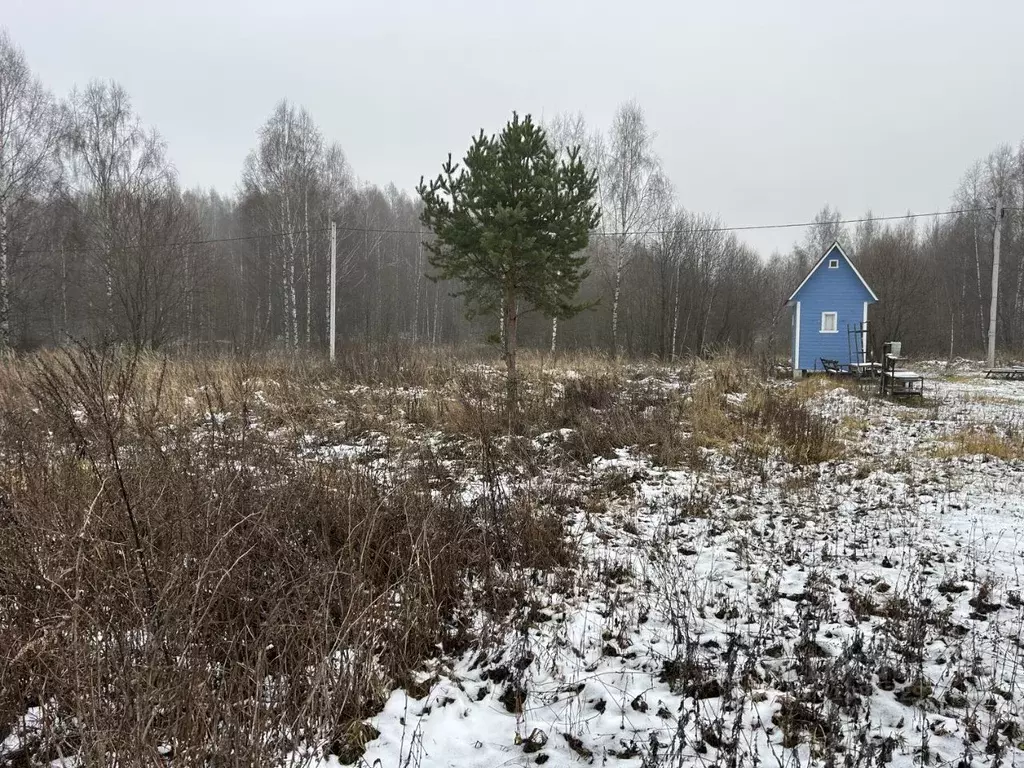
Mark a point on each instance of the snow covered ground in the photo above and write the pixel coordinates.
(731, 609)
(860, 612)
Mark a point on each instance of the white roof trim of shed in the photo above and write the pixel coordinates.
(837, 246)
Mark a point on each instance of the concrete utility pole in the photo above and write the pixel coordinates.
(334, 286)
(995, 283)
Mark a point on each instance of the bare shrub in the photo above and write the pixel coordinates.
(199, 590)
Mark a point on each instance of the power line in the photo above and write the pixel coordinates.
(627, 233)
(186, 243)
(796, 225)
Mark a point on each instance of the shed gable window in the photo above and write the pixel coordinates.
(833, 263)
(830, 322)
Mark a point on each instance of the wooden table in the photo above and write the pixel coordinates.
(1013, 373)
(865, 370)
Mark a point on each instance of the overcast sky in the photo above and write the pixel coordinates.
(764, 109)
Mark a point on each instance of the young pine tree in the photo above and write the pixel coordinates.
(510, 224)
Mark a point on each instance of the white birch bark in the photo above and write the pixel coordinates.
(5, 306)
(993, 311)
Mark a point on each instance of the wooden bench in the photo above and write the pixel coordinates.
(832, 367)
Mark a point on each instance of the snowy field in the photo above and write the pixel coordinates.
(727, 603)
(864, 611)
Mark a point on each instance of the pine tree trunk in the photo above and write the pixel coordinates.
(5, 302)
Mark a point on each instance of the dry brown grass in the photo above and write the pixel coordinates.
(172, 575)
(172, 560)
(975, 441)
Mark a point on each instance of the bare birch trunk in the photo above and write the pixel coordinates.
(616, 293)
(309, 265)
(952, 319)
(293, 302)
(675, 317)
(5, 304)
(554, 334)
(981, 300)
(960, 309)
(437, 305)
(419, 288)
(189, 301)
(290, 292)
(285, 304)
(993, 311)
(110, 299)
(1017, 295)
(704, 325)
(63, 293)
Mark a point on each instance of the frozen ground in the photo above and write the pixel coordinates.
(863, 612)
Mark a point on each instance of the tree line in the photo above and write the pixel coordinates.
(98, 238)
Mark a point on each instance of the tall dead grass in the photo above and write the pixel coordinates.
(173, 583)
(177, 576)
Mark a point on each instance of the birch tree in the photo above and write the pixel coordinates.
(970, 197)
(130, 215)
(296, 181)
(999, 186)
(632, 186)
(568, 131)
(826, 229)
(30, 131)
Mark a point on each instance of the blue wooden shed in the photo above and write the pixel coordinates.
(827, 306)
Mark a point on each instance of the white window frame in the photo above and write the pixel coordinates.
(835, 322)
(833, 263)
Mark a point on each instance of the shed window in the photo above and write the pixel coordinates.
(829, 322)
(833, 263)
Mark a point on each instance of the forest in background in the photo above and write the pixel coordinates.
(99, 238)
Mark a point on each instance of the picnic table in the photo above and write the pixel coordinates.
(1015, 372)
(866, 370)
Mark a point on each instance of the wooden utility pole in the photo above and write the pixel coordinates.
(334, 287)
(995, 283)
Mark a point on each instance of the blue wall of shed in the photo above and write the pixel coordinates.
(828, 290)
